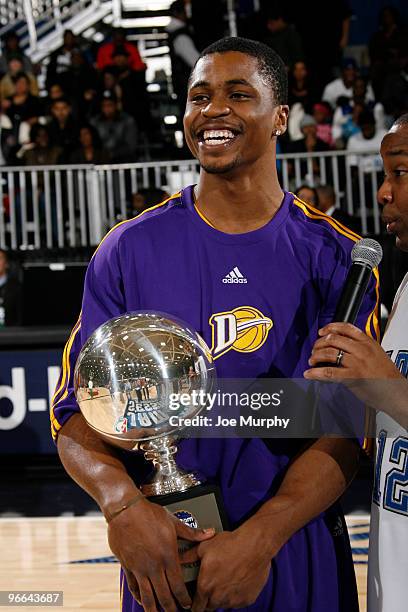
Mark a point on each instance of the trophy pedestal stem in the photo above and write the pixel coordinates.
(168, 477)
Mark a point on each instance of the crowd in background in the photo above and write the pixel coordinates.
(89, 99)
(89, 104)
(95, 108)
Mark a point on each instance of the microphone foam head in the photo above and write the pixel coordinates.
(368, 252)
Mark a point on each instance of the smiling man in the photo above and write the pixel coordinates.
(256, 272)
(388, 393)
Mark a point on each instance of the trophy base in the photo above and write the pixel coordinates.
(202, 507)
(179, 481)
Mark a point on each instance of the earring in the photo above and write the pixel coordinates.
(278, 132)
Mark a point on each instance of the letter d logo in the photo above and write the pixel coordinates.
(224, 332)
(17, 396)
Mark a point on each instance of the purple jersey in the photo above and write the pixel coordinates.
(289, 275)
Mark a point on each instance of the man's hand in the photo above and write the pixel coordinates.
(365, 369)
(363, 357)
(234, 567)
(144, 539)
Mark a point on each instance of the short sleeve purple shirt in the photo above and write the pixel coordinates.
(288, 273)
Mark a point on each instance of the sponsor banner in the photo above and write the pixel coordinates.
(27, 384)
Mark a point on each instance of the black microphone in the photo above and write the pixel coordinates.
(366, 255)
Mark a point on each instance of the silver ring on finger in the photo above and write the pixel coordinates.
(340, 356)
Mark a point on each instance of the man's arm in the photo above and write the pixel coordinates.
(144, 536)
(316, 478)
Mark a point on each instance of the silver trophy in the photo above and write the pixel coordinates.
(126, 378)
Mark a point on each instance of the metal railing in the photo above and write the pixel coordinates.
(74, 206)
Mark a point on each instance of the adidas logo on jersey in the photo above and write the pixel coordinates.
(235, 277)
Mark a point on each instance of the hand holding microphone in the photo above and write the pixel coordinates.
(337, 339)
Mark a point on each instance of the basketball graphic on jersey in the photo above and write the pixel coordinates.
(243, 329)
(252, 329)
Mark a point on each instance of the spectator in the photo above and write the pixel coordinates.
(323, 116)
(11, 303)
(300, 87)
(117, 130)
(105, 52)
(360, 94)
(60, 61)
(183, 52)
(343, 86)
(110, 82)
(283, 37)
(366, 141)
(309, 143)
(6, 139)
(78, 78)
(55, 92)
(91, 150)
(63, 129)
(308, 194)
(346, 121)
(12, 48)
(145, 198)
(132, 86)
(15, 67)
(327, 205)
(40, 152)
(384, 48)
(91, 98)
(364, 160)
(22, 106)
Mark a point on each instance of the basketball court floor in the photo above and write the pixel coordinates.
(71, 554)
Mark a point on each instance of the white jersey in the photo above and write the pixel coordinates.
(388, 556)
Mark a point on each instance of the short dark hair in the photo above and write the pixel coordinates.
(20, 75)
(177, 7)
(312, 189)
(36, 129)
(58, 100)
(366, 118)
(326, 191)
(271, 66)
(401, 121)
(96, 139)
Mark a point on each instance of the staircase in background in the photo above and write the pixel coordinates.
(40, 23)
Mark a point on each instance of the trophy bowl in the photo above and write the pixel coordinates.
(126, 378)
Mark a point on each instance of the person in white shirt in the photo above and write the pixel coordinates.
(346, 114)
(366, 141)
(342, 87)
(383, 385)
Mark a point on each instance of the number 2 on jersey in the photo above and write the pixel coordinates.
(395, 497)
